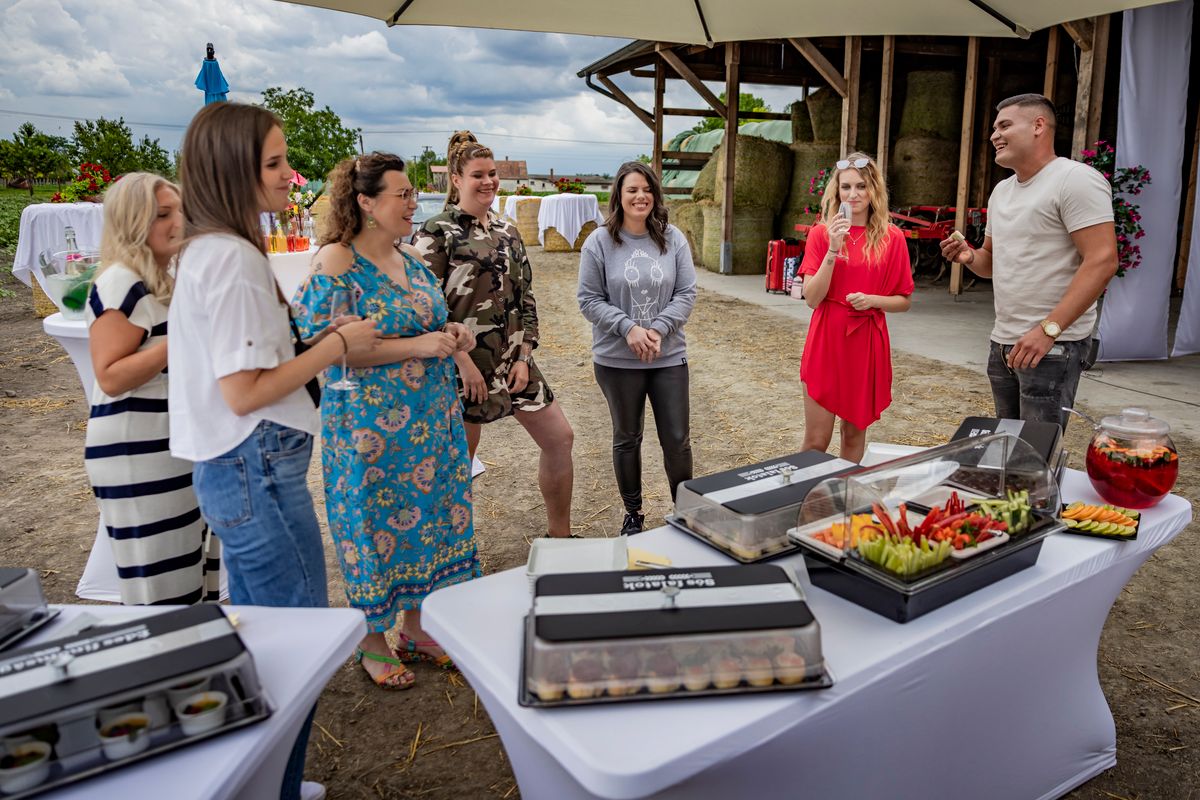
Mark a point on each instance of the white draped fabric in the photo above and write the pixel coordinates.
(41, 228)
(1151, 123)
(567, 214)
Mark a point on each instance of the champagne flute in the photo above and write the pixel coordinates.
(342, 304)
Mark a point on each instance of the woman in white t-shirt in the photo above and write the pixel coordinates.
(239, 405)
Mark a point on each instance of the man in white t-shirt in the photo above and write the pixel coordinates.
(1050, 249)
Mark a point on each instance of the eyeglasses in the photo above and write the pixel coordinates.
(857, 163)
(407, 194)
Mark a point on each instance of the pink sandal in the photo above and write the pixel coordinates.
(410, 651)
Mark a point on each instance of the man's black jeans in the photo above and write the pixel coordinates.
(1038, 394)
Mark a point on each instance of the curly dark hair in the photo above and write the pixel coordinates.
(350, 178)
(656, 224)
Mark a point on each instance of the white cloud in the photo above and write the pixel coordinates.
(370, 45)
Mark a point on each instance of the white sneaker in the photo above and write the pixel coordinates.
(310, 790)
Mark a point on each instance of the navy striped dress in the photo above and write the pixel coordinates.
(164, 551)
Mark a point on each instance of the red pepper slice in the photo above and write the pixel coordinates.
(884, 518)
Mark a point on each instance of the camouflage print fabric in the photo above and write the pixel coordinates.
(487, 280)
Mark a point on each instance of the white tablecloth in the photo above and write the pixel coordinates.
(567, 214)
(993, 696)
(296, 651)
(510, 204)
(42, 227)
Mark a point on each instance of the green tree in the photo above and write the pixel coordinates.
(316, 138)
(645, 159)
(419, 171)
(746, 102)
(33, 155)
(108, 143)
(153, 157)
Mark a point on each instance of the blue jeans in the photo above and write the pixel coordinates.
(1038, 394)
(255, 498)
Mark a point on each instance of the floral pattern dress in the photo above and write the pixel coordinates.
(393, 450)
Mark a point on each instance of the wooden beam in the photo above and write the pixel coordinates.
(625, 100)
(981, 164)
(733, 90)
(660, 82)
(821, 64)
(686, 73)
(707, 112)
(883, 146)
(1081, 30)
(687, 155)
(1189, 216)
(1099, 70)
(1051, 65)
(965, 148)
(853, 76)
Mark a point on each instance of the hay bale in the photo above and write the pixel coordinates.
(932, 105)
(924, 171)
(689, 218)
(753, 227)
(706, 181)
(825, 111)
(527, 220)
(760, 175)
(802, 129)
(555, 242)
(807, 159)
(868, 119)
(43, 306)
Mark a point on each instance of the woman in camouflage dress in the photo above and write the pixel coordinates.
(486, 277)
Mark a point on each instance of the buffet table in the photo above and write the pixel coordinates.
(993, 696)
(42, 226)
(567, 214)
(248, 763)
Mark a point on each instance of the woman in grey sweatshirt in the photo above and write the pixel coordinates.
(637, 287)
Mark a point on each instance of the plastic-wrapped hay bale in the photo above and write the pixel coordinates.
(706, 181)
(825, 111)
(689, 218)
(527, 220)
(760, 176)
(753, 227)
(808, 158)
(802, 130)
(555, 242)
(924, 171)
(932, 105)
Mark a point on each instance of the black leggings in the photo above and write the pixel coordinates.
(626, 391)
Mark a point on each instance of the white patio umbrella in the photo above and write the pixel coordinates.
(707, 21)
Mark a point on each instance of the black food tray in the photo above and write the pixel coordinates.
(528, 699)
(31, 625)
(677, 523)
(1112, 537)
(243, 712)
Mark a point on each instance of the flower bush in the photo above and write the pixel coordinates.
(816, 187)
(1126, 181)
(523, 190)
(89, 184)
(569, 186)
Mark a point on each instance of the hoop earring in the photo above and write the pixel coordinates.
(371, 222)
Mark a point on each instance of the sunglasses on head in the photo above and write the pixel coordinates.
(857, 163)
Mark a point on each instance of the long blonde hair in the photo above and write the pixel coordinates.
(130, 208)
(877, 212)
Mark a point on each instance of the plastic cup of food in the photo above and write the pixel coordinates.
(24, 766)
(125, 736)
(202, 712)
(180, 692)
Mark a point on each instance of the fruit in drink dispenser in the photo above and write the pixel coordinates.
(1131, 461)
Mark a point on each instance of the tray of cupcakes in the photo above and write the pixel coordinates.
(605, 637)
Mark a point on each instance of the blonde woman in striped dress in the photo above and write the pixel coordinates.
(164, 551)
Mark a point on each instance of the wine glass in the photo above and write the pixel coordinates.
(342, 304)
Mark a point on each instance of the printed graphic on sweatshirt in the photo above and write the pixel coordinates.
(644, 277)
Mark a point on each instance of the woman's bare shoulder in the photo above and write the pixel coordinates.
(333, 259)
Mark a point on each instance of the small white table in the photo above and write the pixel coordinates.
(992, 697)
(42, 226)
(567, 213)
(296, 651)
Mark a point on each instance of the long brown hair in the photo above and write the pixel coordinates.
(349, 179)
(220, 167)
(130, 210)
(656, 223)
(462, 149)
(878, 220)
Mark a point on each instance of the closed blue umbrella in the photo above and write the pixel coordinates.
(210, 80)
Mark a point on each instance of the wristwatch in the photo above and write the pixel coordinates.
(1051, 329)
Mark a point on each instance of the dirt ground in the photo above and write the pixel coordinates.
(436, 741)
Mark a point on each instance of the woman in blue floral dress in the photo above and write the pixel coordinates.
(394, 450)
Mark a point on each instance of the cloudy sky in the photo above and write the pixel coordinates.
(406, 87)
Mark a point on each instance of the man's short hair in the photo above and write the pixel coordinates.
(1036, 101)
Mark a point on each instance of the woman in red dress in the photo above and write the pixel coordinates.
(856, 270)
